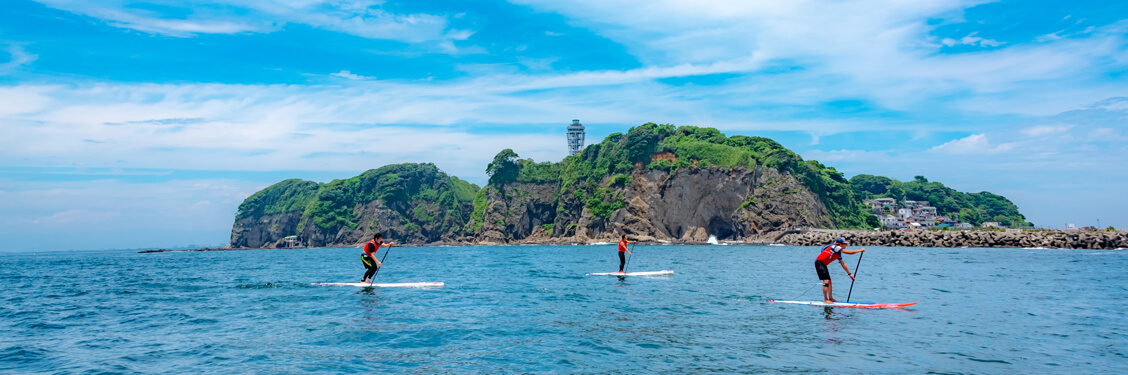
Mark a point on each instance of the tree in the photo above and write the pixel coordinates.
(504, 168)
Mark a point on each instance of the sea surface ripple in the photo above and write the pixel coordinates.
(531, 309)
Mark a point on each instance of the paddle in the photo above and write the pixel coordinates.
(851, 279)
(628, 260)
(373, 281)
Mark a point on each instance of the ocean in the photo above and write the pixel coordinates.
(531, 309)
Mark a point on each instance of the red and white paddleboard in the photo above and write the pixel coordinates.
(864, 305)
(433, 284)
(645, 273)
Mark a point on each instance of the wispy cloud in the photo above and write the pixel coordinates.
(349, 75)
(975, 144)
(70, 216)
(971, 40)
(361, 18)
(19, 57)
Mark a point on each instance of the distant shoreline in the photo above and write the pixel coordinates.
(947, 239)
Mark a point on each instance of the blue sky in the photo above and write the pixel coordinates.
(127, 124)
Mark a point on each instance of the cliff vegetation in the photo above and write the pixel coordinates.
(974, 208)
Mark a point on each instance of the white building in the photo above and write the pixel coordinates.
(881, 204)
(904, 213)
(888, 220)
(575, 138)
(916, 204)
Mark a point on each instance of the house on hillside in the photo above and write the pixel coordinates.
(989, 224)
(886, 205)
(904, 213)
(916, 204)
(888, 220)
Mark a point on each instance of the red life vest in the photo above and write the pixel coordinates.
(371, 244)
(828, 254)
(623, 246)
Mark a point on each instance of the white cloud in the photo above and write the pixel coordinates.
(975, 144)
(881, 50)
(18, 57)
(71, 216)
(971, 40)
(1041, 130)
(361, 18)
(1050, 37)
(844, 155)
(349, 75)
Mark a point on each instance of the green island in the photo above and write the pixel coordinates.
(656, 182)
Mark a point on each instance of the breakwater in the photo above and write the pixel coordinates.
(1046, 239)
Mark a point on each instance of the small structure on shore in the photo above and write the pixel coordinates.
(575, 138)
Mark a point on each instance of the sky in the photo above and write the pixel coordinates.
(144, 124)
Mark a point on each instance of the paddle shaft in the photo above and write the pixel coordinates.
(852, 279)
(628, 259)
(382, 262)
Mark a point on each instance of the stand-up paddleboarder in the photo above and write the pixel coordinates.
(623, 248)
(829, 254)
(371, 264)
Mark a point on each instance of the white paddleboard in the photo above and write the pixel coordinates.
(647, 273)
(431, 284)
(865, 305)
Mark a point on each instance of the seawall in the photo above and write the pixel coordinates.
(1045, 239)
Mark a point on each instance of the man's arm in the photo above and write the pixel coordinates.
(846, 268)
(854, 251)
(378, 262)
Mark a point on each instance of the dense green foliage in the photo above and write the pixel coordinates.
(974, 208)
(421, 193)
(286, 196)
(503, 169)
(479, 212)
(667, 147)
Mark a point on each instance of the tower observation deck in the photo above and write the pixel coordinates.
(575, 138)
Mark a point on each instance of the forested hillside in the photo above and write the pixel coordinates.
(656, 182)
(409, 201)
(669, 148)
(974, 208)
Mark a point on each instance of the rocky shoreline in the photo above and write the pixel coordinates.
(1023, 239)
(1104, 240)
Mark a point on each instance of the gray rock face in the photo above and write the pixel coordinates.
(689, 205)
(1046, 239)
(264, 232)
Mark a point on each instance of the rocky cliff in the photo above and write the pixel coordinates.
(684, 205)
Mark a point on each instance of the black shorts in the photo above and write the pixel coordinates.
(824, 274)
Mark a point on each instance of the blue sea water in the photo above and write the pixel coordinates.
(531, 309)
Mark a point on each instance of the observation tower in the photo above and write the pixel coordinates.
(575, 138)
